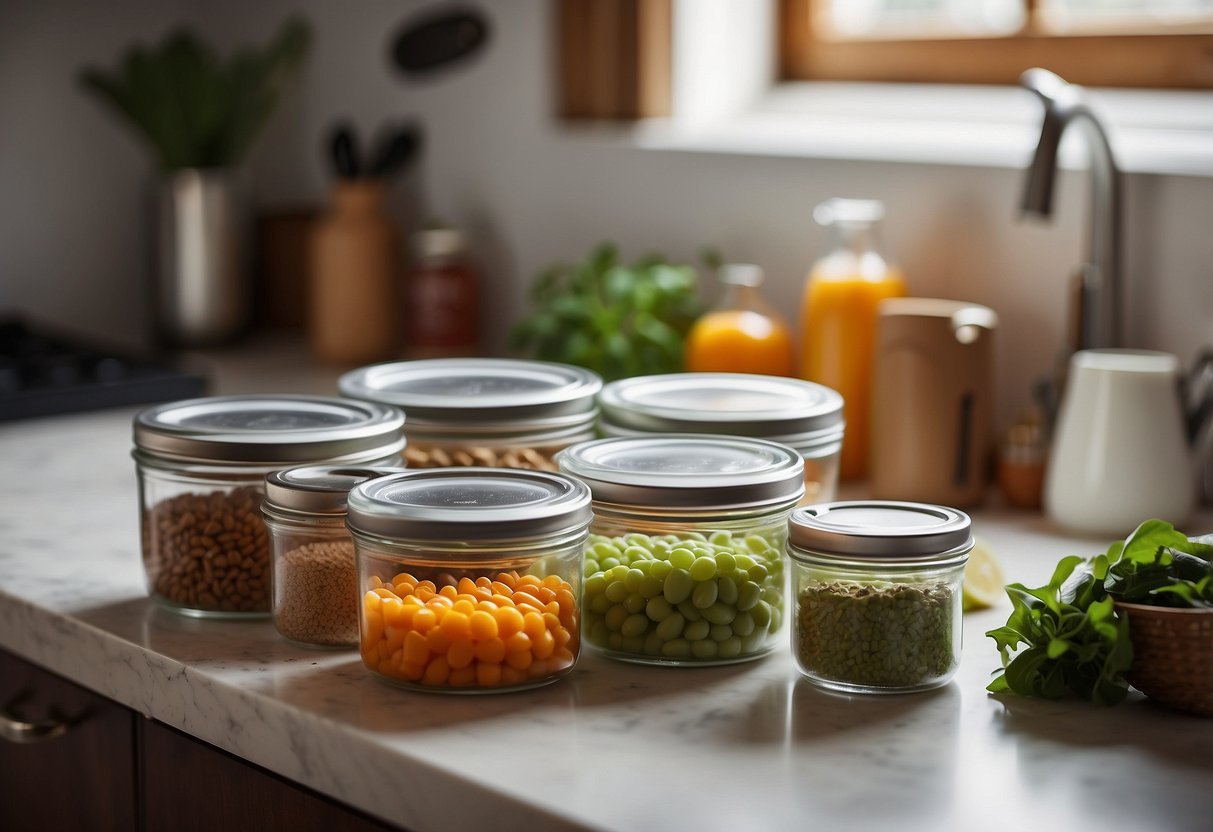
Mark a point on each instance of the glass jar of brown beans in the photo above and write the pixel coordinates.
(483, 412)
(202, 465)
(315, 582)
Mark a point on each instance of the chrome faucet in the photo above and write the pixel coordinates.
(1099, 312)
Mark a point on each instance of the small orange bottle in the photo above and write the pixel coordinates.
(839, 313)
(742, 334)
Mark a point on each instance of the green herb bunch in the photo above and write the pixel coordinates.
(616, 319)
(1074, 642)
(194, 109)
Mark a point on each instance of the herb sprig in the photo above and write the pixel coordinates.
(1074, 642)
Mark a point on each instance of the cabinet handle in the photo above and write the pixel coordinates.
(19, 731)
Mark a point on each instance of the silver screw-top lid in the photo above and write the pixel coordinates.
(881, 530)
(469, 504)
(785, 410)
(318, 489)
(687, 471)
(270, 429)
(478, 394)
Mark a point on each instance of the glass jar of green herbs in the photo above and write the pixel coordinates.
(877, 595)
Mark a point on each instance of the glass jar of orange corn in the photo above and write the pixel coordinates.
(470, 578)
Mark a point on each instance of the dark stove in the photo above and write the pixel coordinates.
(44, 373)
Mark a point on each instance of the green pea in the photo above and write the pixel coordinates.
(652, 644)
(632, 579)
(703, 569)
(634, 625)
(720, 614)
(650, 587)
(748, 594)
(744, 561)
(696, 630)
(637, 539)
(635, 553)
(589, 567)
(678, 648)
(635, 602)
(743, 624)
(772, 596)
(616, 573)
(721, 538)
(761, 613)
(658, 608)
(605, 549)
(659, 569)
(600, 604)
(615, 617)
(689, 611)
(703, 649)
(594, 584)
(757, 573)
(704, 595)
(616, 591)
(757, 543)
(678, 586)
(661, 549)
(721, 632)
(726, 590)
(776, 620)
(730, 648)
(682, 557)
(608, 563)
(725, 563)
(671, 626)
(754, 642)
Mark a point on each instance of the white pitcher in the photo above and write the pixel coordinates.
(1122, 451)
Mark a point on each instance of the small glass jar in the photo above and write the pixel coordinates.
(470, 579)
(484, 412)
(202, 464)
(877, 590)
(315, 586)
(684, 564)
(800, 414)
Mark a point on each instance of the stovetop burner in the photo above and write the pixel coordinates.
(43, 373)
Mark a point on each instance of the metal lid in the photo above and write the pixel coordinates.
(270, 429)
(318, 489)
(786, 410)
(469, 504)
(478, 394)
(881, 530)
(687, 471)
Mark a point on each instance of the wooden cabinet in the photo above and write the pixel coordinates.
(112, 769)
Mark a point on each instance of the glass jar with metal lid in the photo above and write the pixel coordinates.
(800, 414)
(877, 590)
(684, 564)
(487, 412)
(202, 465)
(470, 578)
(315, 579)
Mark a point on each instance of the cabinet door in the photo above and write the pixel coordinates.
(82, 778)
(189, 786)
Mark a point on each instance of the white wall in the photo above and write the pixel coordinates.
(533, 192)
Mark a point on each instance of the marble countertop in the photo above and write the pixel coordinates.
(612, 746)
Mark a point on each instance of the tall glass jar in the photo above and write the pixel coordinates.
(486, 412)
(877, 589)
(684, 564)
(315, 586)
(470, 579)
(800, 414)
(202, 464)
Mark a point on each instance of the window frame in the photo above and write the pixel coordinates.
(1169, 59)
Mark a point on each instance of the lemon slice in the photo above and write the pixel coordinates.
(983, 578)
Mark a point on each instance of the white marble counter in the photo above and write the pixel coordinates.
(612, 746)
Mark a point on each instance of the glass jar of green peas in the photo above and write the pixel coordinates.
(684, 563)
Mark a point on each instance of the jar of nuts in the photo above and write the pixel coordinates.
(487, 412)
(202, 465)
(470, 578)
(315, 586)
(684, 564)
(800, 414)
(877, 589)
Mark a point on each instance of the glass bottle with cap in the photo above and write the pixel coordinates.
(202, 464)
(315, 586)
(470, 579)
(838, 316)
(742, 333)
(877, 590)
(490, 412)
(800, 414)
(684, 564)
(442, 302)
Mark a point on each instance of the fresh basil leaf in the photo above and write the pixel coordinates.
(1143, 544)
(1057, 648)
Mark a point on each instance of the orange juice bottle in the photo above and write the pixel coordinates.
(838, 317)
(742, 334)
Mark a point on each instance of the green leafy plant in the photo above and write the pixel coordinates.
(616, 319)
(191, 107)
(1074, 641)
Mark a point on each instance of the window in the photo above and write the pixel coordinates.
(1116, 43)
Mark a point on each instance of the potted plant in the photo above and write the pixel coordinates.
(199, 114)
(1140, 614)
